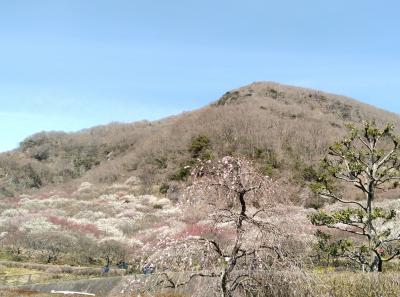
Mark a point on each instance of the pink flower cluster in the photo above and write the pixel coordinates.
(200, 230)
(68, 224)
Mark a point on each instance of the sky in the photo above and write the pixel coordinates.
(72, 64)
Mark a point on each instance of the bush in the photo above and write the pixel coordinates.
(200, 147)
(30, 177)
(182, 173)
(164, 188)
(86, 271)
(54, 270)
(361, 285)
(85, 162)
(161, 162)
(309, 174)
(228, 98)
(41, 154)
(314, 201)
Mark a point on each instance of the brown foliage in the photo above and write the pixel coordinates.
(283, 129)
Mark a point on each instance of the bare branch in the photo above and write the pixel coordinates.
(242, 278)
(391, 257)
(215, 245)
(346, 230)
(331, 195)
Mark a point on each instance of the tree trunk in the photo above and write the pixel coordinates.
(377, 263)
(377, 260)
(224, 284)
(380, 265)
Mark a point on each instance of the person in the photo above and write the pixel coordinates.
(152, 268)
(148, 268)
(105, 269)
(122, 265)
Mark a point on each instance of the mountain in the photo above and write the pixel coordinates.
(285, 131)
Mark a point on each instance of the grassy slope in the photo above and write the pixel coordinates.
(283, 129)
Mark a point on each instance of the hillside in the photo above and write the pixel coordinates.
(285, 130)
(123, 194)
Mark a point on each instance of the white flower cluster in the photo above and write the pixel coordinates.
(110, 227)
(38, 225)
(90, 215)
(13, 212)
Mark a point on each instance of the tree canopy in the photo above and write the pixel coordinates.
(368, 158)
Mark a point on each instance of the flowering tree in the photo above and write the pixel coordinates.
(15, 242)
(112, 251)
(86, 228)
(50, 244)
(238, 200)
(369, 159)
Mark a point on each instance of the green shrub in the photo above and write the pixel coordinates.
(41, 154)
(161, 162)
(228, 98)
(309, 173)
(30, 177)
(164, 188)
(200, 147)
(85, 163)
(267, 156)
(268, 170)
(274, 94)
(181, 174)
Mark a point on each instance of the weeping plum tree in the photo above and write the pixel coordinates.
(240, 199)
(241, 245)
(368, 158)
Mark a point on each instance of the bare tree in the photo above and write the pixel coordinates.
(15, 242)
(239, 200)
(50, 245)
(112, 251)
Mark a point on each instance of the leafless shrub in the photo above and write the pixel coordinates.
(294, 125)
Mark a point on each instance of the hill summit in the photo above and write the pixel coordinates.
(284, 130)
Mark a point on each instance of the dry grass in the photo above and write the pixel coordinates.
(361, 285)
(283, 129)
(332, 284)
(335, 284)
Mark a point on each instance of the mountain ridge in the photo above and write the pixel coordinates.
(283, 129)
(315, 93)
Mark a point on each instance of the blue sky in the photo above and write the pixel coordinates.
(72, 64)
